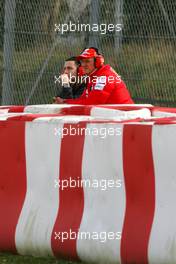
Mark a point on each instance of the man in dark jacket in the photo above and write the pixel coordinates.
(70, 86)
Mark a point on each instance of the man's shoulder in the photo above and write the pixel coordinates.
(106, 70)
(107, 75)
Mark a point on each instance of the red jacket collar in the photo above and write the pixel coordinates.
(99, 70)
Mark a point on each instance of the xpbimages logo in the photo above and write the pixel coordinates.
(87, 79)
(77, 27)
(99, 184)
(101, 132)
(100, 236)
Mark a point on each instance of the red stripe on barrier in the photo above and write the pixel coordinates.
(86, 109)
(73, 110)
(30, 117)
(164, 109)
(12, 180)
(140, 193)
(71, 199)
(125, 108)
(16, 109)
(13, 108)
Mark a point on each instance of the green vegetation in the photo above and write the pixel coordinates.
(6, 258)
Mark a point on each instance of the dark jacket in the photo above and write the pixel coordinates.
(72, 92)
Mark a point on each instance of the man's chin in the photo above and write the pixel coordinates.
(88, 72)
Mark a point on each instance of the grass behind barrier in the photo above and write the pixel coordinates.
(6, 258)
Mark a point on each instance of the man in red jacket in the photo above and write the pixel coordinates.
(104, 86)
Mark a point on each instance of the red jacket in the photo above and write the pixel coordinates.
(104, 87)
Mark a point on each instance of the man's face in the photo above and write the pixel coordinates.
(88, 65)
(70, 68)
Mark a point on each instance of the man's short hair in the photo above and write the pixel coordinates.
(73, 59)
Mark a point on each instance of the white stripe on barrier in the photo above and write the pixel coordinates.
(46, 108)
(113, 114)
(157, 113)
(162, 242)
(5, 116)
(103, 209)
(35, 225)
(3, 111)
(56, 108)
(64, 119)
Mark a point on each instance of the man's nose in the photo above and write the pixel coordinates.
(66, 71)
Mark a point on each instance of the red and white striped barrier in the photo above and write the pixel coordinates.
(68, 109)
(94, 190)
